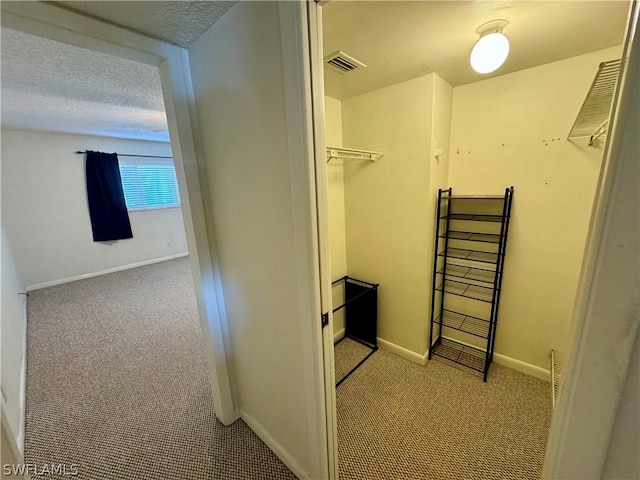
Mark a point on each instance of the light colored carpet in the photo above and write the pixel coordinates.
(347, 354)
(398, 420)
(117, 384)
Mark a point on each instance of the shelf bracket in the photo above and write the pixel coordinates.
(601, 130)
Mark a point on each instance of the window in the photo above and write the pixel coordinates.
(149, 185)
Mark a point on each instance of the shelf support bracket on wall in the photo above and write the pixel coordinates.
(601, 130)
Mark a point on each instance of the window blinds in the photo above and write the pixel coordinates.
(149, 185)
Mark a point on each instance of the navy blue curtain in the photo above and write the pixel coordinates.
(107, 208)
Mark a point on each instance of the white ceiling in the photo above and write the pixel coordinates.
(53, 86)
(178, 22)
(400, 40)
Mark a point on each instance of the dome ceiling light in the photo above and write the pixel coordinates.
(491, 49)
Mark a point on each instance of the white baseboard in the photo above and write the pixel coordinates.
(518, 365)
(275, 446)
(23, 388)
(521, 366)
(16, 439)
(338, 335)
(14, 442)
(403, 352)
(74, 278)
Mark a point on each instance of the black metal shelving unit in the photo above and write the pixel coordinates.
(468, 265)
(361, 316)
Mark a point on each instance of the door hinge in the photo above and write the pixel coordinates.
(325, 319)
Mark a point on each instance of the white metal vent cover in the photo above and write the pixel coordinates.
(343, 63)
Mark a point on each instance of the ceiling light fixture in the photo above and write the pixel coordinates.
(491, 49)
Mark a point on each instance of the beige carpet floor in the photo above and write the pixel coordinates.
(398, 420)
(347, 354)
(117, 384)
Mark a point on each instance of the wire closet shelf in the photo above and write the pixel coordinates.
(593, 118)
(556, 373)
(352, 154)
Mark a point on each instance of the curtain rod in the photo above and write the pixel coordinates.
(128, 155)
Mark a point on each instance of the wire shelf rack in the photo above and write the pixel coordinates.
(465, 323)
(471, 273)
(468, 273)
(461, 354)
(472, 236)
(473, 255)
(352, 154)
(474, 217)
(593, 119)
(556, 373)
(467, 290)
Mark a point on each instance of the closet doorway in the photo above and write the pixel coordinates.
(50, 23)
(406, 116)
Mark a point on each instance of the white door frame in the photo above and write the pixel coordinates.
(605, 318)
(324, 254)
(48, 21)
(569, 454)
(305, 128)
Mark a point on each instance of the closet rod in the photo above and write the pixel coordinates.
(127, 155)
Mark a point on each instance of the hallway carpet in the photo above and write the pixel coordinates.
(398, 420)
(117, 384)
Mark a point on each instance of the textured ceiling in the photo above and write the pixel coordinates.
(52, 86)
(400, 40)
(178, 22)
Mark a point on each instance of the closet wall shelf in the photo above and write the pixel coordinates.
(465, 323)
(593, 118)
(352, 154)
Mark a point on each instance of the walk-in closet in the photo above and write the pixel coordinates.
(460, 190)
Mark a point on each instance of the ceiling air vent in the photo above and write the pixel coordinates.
(342, 62)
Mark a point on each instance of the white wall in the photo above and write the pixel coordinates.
(440, 136)
(622, 459)
(12, 341)
(386, 204)
(243, 127)
(45, 213)
(511, 130)
(439, 172)
(336, 213)
(595, 431)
